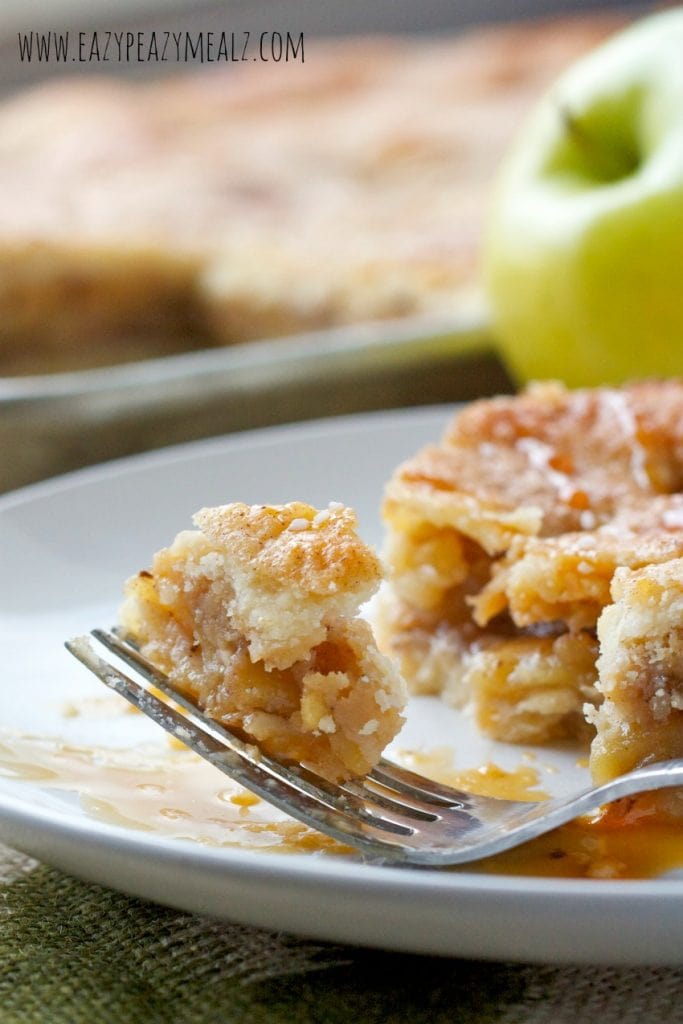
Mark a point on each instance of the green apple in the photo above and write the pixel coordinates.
(583, 256)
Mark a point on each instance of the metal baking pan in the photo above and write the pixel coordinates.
(50, 424)
(53, 423)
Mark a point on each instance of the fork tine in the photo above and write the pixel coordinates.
(324, 806)
(394, 803)
(402, 780)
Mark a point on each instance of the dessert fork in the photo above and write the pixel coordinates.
(392, 815)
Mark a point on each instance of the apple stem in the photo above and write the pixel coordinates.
(611, 162)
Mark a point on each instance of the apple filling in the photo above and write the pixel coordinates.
(503, 542)
(254, 615)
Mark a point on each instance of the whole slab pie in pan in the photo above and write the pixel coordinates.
(259, 201)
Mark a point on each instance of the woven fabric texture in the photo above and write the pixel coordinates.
(72, 952)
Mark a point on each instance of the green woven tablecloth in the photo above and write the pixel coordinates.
(72, 952)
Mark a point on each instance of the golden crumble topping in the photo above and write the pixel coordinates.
(567, 578)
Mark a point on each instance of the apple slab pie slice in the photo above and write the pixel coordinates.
(502, 542)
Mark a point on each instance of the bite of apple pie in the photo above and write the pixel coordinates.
(254, 615)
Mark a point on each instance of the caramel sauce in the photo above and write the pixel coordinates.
(485, 780)
(170, 792)
(592, 848)
(173, 793)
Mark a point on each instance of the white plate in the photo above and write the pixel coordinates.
(65, 548)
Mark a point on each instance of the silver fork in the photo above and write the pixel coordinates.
(391, 815)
